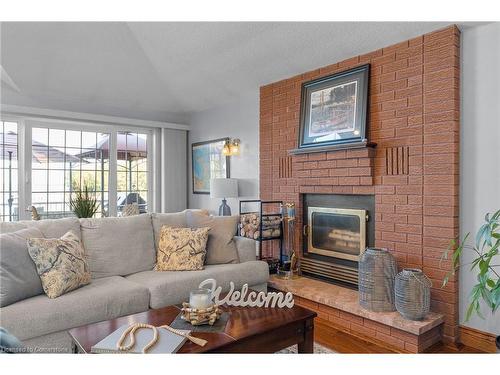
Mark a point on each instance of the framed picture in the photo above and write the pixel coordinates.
(333, 109)
(208, 162)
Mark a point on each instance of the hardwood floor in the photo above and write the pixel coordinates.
(342, 342)
(449, 349)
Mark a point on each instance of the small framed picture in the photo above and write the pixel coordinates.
(333, 109)
(208, 162)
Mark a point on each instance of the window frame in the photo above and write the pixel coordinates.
(20, 164)
(25, 126)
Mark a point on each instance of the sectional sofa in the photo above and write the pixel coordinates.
(121, 254)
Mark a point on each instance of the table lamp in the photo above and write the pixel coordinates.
(224, 188)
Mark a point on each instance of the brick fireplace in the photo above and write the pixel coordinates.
(412, 172)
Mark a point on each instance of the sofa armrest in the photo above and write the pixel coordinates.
(247, 248)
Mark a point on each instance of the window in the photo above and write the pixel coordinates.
(132, 170)
(9, 210)
(63, 157)
(65, 161)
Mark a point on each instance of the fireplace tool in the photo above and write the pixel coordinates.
(289, 262)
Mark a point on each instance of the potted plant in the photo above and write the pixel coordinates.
(84, 203)
(485, 250)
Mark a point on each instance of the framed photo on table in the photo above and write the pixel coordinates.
(208, 162)
(333, 109)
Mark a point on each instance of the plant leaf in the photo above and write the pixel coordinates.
(486, 294)
(470, 310)
(483, 266)
(475, 262)
(495, 296)
(445, 280)
(496, 215)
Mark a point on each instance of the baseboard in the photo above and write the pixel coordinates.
(478, 339)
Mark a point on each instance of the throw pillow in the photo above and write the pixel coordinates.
(18, 277)
(172, 219)
(181, 249)
(60, 263)
(221, 248)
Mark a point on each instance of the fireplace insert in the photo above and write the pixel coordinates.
(337, 230)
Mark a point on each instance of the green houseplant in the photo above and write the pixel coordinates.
(485, 250)
(84, 203)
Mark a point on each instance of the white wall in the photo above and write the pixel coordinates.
(239, 119)
(480, 148)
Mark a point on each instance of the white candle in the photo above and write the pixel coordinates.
(200, 299)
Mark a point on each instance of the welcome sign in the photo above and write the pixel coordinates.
(244, 298)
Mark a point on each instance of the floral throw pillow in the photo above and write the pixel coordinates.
(181, 249)
(60, 263)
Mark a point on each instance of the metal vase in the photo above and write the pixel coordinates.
(413, 294)
(377, 270)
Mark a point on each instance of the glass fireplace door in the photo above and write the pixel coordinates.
(337, 232)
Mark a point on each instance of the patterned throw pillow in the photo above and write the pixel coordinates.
(60, 263)
(181, 249)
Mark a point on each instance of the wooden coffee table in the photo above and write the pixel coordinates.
(248, 330)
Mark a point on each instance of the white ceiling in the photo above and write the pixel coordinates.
(165, 71)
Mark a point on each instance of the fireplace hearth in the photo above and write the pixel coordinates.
(337, 230)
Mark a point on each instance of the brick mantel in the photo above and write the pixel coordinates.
(412, 172)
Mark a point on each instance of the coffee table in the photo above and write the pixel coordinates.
(248, 330)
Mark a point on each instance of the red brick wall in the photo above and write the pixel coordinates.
(413, 171)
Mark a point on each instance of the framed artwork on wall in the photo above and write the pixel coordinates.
(333, 109)
(208, 162)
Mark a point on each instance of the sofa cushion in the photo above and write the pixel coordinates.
(55, 228)
(247, 248)
(173, 287)
(12, 226)
(118, 246)
(58, 342)
(221, 248)
(51, 228)
(172, 219)
(102, 299)
(60, 263)
(18, 276)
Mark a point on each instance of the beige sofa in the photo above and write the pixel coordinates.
(121, 253)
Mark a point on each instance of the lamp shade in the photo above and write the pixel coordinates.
(224, 188)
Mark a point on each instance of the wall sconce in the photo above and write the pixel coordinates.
(231, 147)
